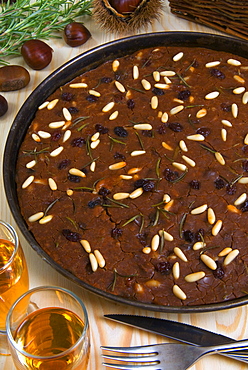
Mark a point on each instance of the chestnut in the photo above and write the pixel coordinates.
(13, 77)
(3, 105)
(36, 53)
(76, 34)
(124, 6)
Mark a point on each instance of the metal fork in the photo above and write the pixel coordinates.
(167, 356)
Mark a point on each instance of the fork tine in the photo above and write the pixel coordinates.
(132, 367)
(140, 359)
(137, 349)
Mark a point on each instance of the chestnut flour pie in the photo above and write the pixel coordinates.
(134, 176)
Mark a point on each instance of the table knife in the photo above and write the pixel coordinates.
(178, 331)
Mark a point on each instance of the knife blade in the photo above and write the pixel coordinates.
(172, 329)
(182, 332)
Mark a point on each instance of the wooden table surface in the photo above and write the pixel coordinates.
(103, 332)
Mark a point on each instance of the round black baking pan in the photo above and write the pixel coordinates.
(80, 64)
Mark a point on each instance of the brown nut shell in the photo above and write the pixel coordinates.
(13, 77)
(76, 34)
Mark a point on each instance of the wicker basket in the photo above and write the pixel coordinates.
(229, 16)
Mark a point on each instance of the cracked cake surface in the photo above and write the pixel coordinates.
(134, 176)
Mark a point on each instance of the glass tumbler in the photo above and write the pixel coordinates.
(52, 333)
(13, 276)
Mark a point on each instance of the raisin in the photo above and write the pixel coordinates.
(184, 94)
(226, 107)
(188, 236)
(219, 272)
(161, 129)
(95, 202)
(101, 129)
(56, 135)
(73, 110)
(91, 98)
(164, 267)
(73, 178)
(64, 164)
(175, 126)
(217, 73)
(116, 232)
(194, 184)
(219, 183)
(170, 175)
(231, 189)
(120, 131)
(199, 235)
(157, 91)
(245, 165)
(106, 80)
(118, 155)
(139, 183)
(244, 206)
(147, 133)
(130, 103)
(245, 149)
(195, 64)
(142, 238)
(71, 236)
(67, 96)
(78, 142)
(148, 185)
(103, 191)
(204, 131)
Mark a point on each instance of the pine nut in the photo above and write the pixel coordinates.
(234, 62)
(212, 64)
(93, 166)
(235, 110)
(136, 193)
(28, 182)
(95, 136)
(114, 115)
(99, 257)
(115, 65)
(179, 293)
(223, 134)
(120, 87)
(143, 126)
(246, 139)
(239, 90)
(167, 73)
(86, 245)
(146, 250)
(189, 161)
(67, 135)
(167, 236)
(201, 113)
(117, 166)
(31, 164)
(46, 219)
(156, 76)
(93, 262)
(154, 102)
(135, 153)
(176, 270)
(94, 93)
(155, 242)
(146, 84)
(166, 198)
(36, 138)
(179, 166)
(52, 184)
(78, 85)
(44, 134)
(76, 172)
(233, 209)
(226, 123)
(66, 114)
(178, 56)
(57, 124)
(177, 109)
(126, 177)
(108, 107)
(52, 104)
(198, 245)
(196, 137)
(164, 117)
(212, 95)
(94, 144)
(134, 170)
(36, 217)
(225, 252)
(211, 216)
(199, 210)
(183, 145)
(216, 228)
(69, 192)
(135, 72)
(195, 276)
(57, 151)
(230, 257)
(120, 196)
(208, 261)
(243, 180)
(239, 79)
(245, 98)
(179, 253)
(166, 146)
(162, 86)
(220, 158)
(43, 105)
(168, 206)
(241, 199)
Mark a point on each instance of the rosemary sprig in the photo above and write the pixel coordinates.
(116, 273)
(50, 206)
(42, 19)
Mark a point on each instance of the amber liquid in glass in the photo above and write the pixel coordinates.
(13, 279)
(49, 332)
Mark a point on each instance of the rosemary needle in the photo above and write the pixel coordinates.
(42, 19)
